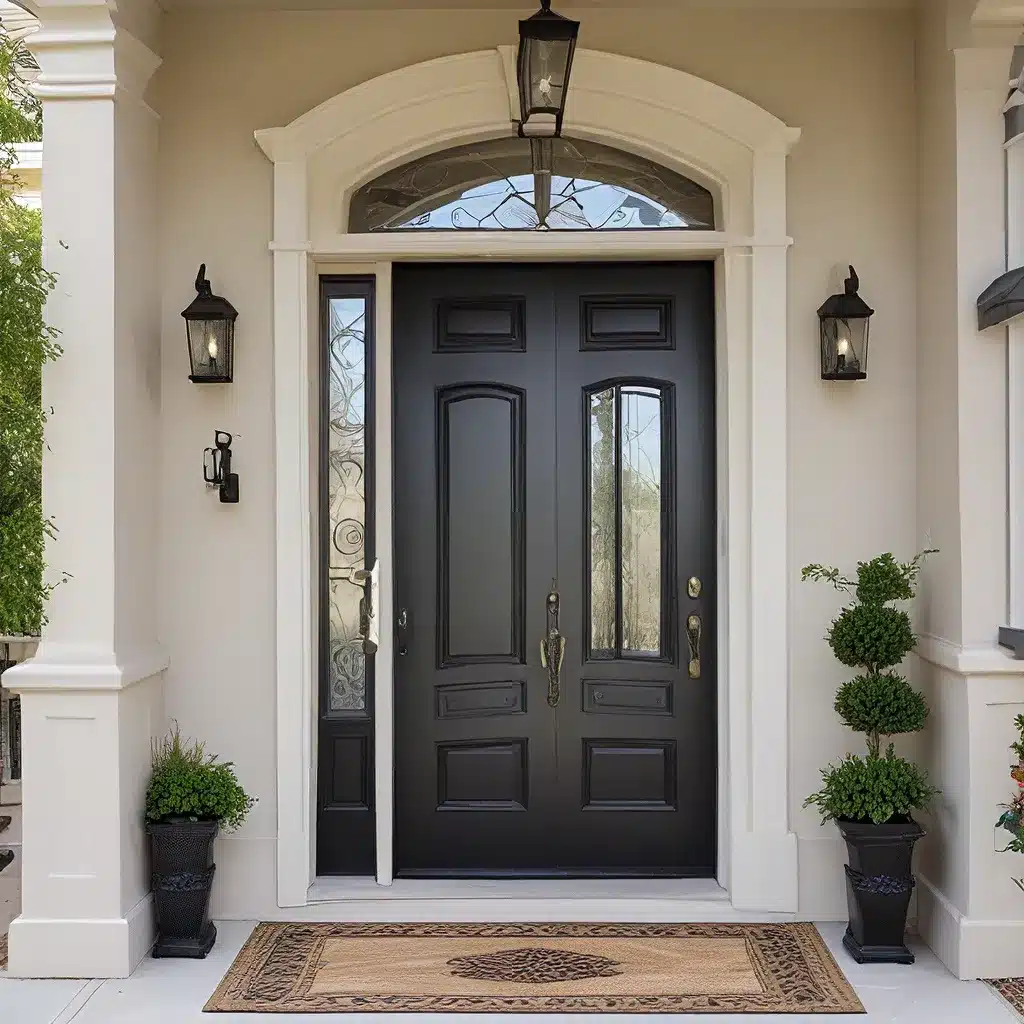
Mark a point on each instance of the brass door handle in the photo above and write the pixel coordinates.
(552, 651)
(369, 632)
(693, 632)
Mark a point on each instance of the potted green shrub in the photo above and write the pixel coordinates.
(191, 795)
(872, 798)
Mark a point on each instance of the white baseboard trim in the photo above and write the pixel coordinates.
(93, 948)
(970, 948)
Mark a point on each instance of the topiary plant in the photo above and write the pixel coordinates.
(875, 637)
(187, 783)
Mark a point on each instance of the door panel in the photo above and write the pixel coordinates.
(481, 519)
(475, 553)
(637, 788)
(554, 429)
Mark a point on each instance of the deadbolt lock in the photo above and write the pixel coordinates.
(694, 587)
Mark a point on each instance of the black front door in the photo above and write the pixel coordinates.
(554, 501)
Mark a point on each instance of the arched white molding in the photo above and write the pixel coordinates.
(729, 144)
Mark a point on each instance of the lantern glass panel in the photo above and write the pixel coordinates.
(211, 349)
(545, 65)
(844, 347)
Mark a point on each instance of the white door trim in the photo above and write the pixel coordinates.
(739, 152)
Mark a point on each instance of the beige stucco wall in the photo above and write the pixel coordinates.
(852, 189)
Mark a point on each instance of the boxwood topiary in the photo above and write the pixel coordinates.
(877, 789)
(188, 784)
(873, 636)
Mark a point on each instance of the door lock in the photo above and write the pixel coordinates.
(694, 587)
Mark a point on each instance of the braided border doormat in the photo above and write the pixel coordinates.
(3, 951)
(534, 968)
(1011, 990)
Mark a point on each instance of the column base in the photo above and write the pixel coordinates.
(103, 948)
(971, 948)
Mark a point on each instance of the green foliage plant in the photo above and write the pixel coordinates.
(187, 784)
(872, 635)
(1012, 818)
(26, 343)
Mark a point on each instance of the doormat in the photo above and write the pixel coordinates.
(534, 968)
(3, 952)
(1011, 989)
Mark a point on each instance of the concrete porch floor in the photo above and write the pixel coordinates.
(174, 991)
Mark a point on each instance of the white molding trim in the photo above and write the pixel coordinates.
(967, 661)
(719, 138)
(67, 670)
(84, 56)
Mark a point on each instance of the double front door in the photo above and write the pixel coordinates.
(554, 500)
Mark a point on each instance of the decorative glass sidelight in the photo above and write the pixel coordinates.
(627, 515)
(346, 482)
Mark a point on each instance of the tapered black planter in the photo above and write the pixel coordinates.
(182, 878)
(879, 883)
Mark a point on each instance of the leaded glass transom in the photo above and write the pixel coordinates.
(514, 184)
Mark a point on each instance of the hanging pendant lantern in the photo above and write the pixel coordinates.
(547, 42)
(845, 323)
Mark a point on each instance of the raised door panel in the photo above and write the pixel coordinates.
(481, 556)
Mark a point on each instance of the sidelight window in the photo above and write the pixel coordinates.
(516, 184)
(347, 312)
(628, 489)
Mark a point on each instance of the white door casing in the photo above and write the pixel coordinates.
(716, 137)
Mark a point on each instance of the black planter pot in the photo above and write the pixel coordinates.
(182, 878)
(878, 888)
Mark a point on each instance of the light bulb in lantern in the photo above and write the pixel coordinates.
(544, 85)
(211, 348)
(842, 351)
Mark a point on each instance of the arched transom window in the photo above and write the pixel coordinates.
(514, 184)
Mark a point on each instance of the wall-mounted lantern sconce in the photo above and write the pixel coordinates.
(845, 323)
(210, 326)
(547, 42)
(217, 467)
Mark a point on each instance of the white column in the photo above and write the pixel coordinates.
(1015, 370)
(92, 696)
(763, 874)
(295, 404)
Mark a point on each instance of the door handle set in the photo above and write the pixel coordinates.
(369, 625)
(552, 651)
(552, 647)
(694, 628)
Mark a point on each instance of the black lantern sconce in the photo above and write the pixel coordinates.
(210, 326)
(845, 323)
(547, 42)
(217, 468)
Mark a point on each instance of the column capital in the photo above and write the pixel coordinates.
(84, 54)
